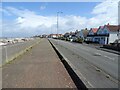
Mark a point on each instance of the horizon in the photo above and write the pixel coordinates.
(26, 19)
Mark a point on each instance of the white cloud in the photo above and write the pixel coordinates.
(4, 11)
(30, 23)
(42, 7)
(106, 12)
(106, 7)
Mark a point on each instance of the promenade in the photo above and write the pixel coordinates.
(38, 68)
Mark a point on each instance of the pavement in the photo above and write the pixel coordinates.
(38, 68)
(109, 50)
(100, 47)
(96, 68)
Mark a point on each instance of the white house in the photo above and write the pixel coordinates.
(107, 34)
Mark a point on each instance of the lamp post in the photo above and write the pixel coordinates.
(58, 22)
(118, 21)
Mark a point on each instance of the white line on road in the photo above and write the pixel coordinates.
(104, 56)
(109, 57)
(98, 54)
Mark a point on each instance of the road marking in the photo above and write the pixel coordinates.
(105, 56)
(109, 57)
(106, 74)
(97, 54)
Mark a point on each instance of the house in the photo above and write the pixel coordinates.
(119, 32)
(92, 35)
(97, 36)
(72, 36)
(52, 36)
(55, 35)
(82, 34)
(44, 36)
(60, 35)
(107, 34)
(66, 35)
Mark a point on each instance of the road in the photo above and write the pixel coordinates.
(8, 51)
(98, 69)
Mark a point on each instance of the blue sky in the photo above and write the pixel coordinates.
(22, 19)
(78, 8)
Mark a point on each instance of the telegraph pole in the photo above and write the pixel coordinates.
(58, 22)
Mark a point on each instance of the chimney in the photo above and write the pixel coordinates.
(85, 28)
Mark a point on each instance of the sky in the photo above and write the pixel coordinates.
(24, 19)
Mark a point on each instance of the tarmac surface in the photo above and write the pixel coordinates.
(38, 68)
(96, 68)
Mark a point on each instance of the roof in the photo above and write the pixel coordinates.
(85, 32)
(113, 28)
(100, 27)
(72, 33)
(94, 30)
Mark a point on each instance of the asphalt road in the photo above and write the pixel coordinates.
(8, 51)
(96, 68)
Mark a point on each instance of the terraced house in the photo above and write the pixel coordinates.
(105, 34)
(108, 34)
(92, 35)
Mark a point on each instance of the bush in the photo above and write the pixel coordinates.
(67, 39)
(79, 40)
(61, 38)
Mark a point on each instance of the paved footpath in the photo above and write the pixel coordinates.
(38, 68)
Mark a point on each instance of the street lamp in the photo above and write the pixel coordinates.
(58, 22)
(118, 21)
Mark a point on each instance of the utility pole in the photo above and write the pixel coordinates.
(118, 21)
(58, 22)
(57, 27)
